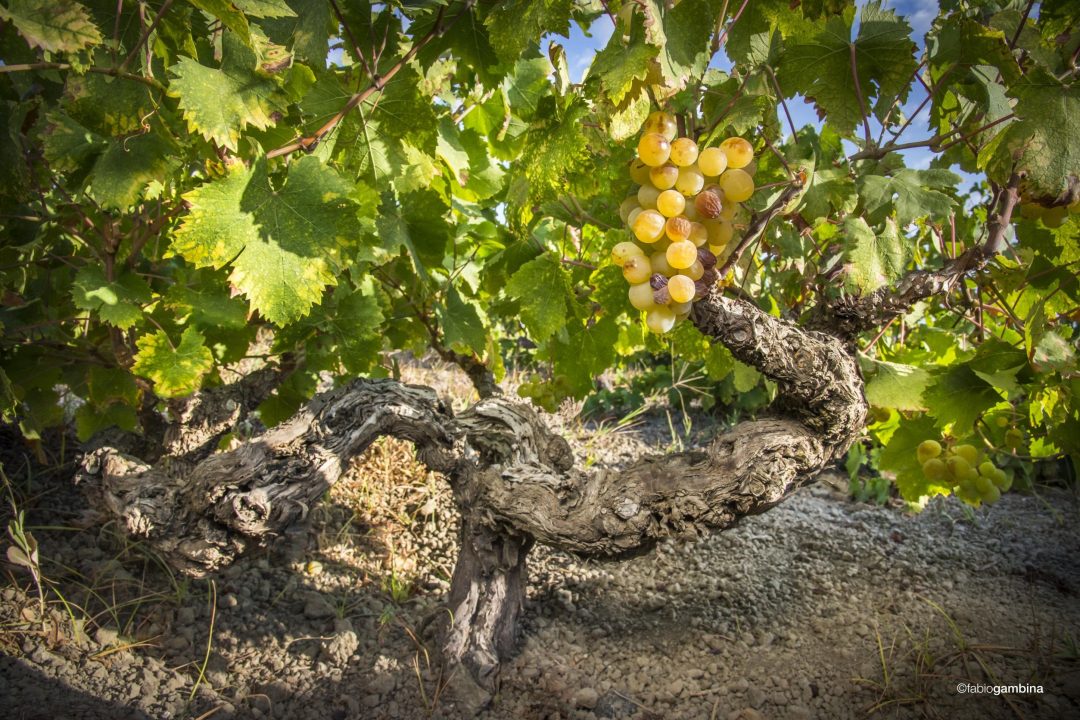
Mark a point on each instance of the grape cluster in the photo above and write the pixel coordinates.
(681, 218)
(545, 394)
(973, 477)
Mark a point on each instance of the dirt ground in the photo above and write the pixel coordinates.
(820, 608)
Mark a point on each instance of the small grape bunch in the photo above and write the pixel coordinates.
(973, 477)
(546, 394)
(680, 215)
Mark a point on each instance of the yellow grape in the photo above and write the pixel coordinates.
(712, 161)
(729, 211)
(646, 196)
(641, 296)
(695, 271)
(681, 254)
(681, 288)
(720, 232)
(648, 226)
(637, 269)
(639, 172)
(699, 234)
(670, 203)
(739, 152)
(653, 149)
(633, 216)
(627, 206)
(690, 180)
(662, 123)
(682, 308)
(718, 250)
(684, 152)
(624, 251)
(659, 263)
(968, 452)
(677, 228)
(737, 185)
(660, 319)
(664, 176)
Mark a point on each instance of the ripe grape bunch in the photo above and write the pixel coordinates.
(972, 477)
(680, 216)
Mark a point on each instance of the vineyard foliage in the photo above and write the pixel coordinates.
(192, 187)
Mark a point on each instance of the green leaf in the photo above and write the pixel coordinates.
(910, 192)
(284, 244)
(90, 419)
(820, 67)
(354, 324)
(894, 385)
(998, 363)
(959, 396)
(874, 259)
(542, 288)
(1044, 144)
(306, 31)
(554, 150)
(588, 350)
(52, 25)
(109, 385)
(899, 457)
(219, 103)
(121, 175)
(514, 25)
(117, 303)
(229, 15)
(461, 324)
(688, 29)
(622, 62)
(264, 8)
(175, 371)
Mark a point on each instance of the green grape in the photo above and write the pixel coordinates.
(627, 206)
(624, 251)
(653, 149)
(712, 161)
(684, 152)
(968, 494)
(968, 452)
(739, 152)
(670, 203)
(729, 211)
(659, 263)
(681, 288)
(690, 180)
(637, 269)
(695, 271)
(699, 234)
(648, 226)
(664, 176)
(1001, 421)
(959, 468)
(641, 296)
(681, 308)
(928, 449)
(639, 172)
(934, 469)
(526, 389)
(719, 232)
(662, 123)
(737, 185)
(660, 319)
(1014, 438)
(1002, 480)
(983, 484)
(991, 495)
(691, 212)
(677, 229)
(647, 196)
(987, 469)
(682, 254)
(880, 414)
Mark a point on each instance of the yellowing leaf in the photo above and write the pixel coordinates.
(52, 25)
(175, 370)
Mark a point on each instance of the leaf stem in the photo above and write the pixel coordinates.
(783, 103)
(859, 93)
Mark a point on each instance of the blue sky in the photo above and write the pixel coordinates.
(580, 49)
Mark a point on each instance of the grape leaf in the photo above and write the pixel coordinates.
(354, 322)
(284, 244)
(514, 25)
(623, 61)
(899, 458)
(90, 419)
(174, 370)
(126, 167)
(555, 149)
(229, 15)
(542, 287)
(911, 193)
(461, 323)
(820, 67)
(264, 8)
(959, 396)
(306, 31)
(1045, 143)
(117, 303)
(220, 102)
(688, 29)
(52, 25)
(874, 259)
(588, 350)
(894, 385)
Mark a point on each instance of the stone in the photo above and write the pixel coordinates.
(587, 698)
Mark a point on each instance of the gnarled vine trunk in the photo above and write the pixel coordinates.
(514, 480)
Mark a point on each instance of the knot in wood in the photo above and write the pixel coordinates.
(627, 508)
(742, 333)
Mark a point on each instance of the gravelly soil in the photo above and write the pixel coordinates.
(818, 608)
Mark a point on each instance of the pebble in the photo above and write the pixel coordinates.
(586, 698)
